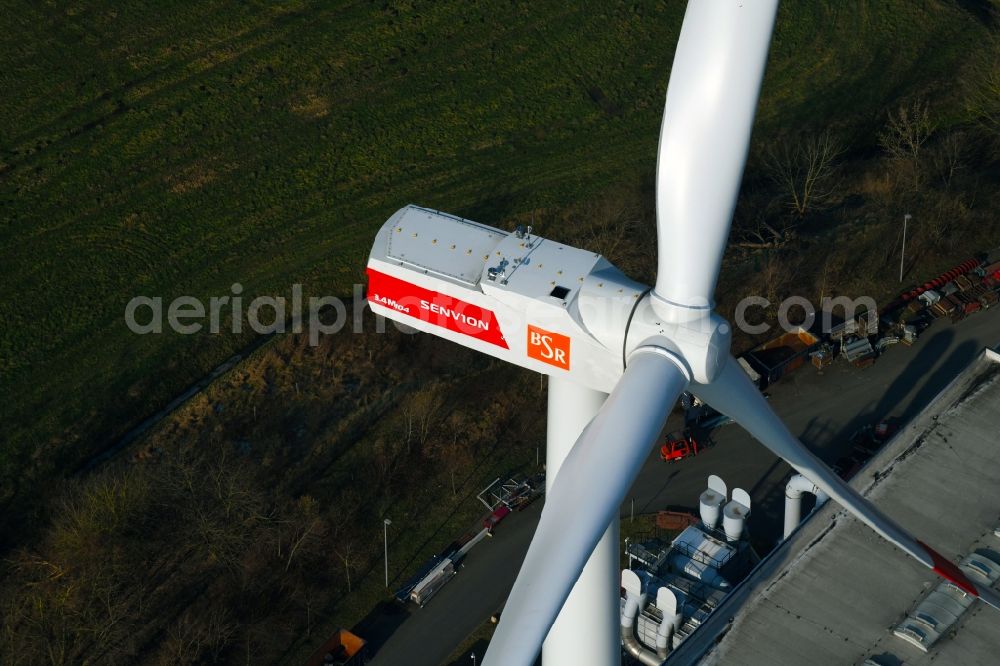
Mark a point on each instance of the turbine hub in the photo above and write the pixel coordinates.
(697, 335)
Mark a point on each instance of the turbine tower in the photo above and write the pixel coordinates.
(618, 354)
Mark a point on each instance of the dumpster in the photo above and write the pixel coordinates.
(776, 358)
(343, 649)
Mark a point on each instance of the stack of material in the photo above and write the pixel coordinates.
(936, 283)
(943, 308)
(991, 275)
(963, 283)
(822, 357)
(974, 294)
(859, 352)
(958, 312)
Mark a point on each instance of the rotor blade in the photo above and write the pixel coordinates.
(584, 498)
(733, 394)
(711, 101)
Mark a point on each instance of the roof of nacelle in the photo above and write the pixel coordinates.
(835, 591)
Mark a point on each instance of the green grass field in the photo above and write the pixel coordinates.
(174, 148)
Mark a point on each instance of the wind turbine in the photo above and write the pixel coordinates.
(570, 314)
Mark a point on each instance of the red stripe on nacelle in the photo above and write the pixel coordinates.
(949, 570)
(434, 307)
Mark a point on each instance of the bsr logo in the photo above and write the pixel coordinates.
(548, 347)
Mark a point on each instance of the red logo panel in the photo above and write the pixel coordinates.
(434, 307)
(548, 347)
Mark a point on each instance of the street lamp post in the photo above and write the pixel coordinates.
(473, 655)
(902, 255)
(385, 535)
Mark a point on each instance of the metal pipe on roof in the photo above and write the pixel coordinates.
(797, 486)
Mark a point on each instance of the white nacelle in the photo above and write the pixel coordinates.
(531, 301)
(525, 299)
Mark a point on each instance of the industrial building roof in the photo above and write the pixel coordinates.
(835, 591)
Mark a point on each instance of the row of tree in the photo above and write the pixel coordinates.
(250, 530)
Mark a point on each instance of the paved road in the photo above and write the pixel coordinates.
(430, 634)
(822, 409)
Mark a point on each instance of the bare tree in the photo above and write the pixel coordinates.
(219, 505)
(347, 554)
(804, 167)
(345, 537)
(307, 594)
(906, 131)
(427, 405)
(408, 416)
(38, 626)
(832, 266)
(456, 453)
(107, 618)
(948, 156)
(388, 457)
(758, 232)
(302, 531)
(218, 630)
(198, 638)
(65, 612)
(772, 273)
(605, 223)
(983, 100)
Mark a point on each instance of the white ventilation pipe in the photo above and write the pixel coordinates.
(794, 489)
(635, 599)
(734, 515)
(711, 501)
(666, 601)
